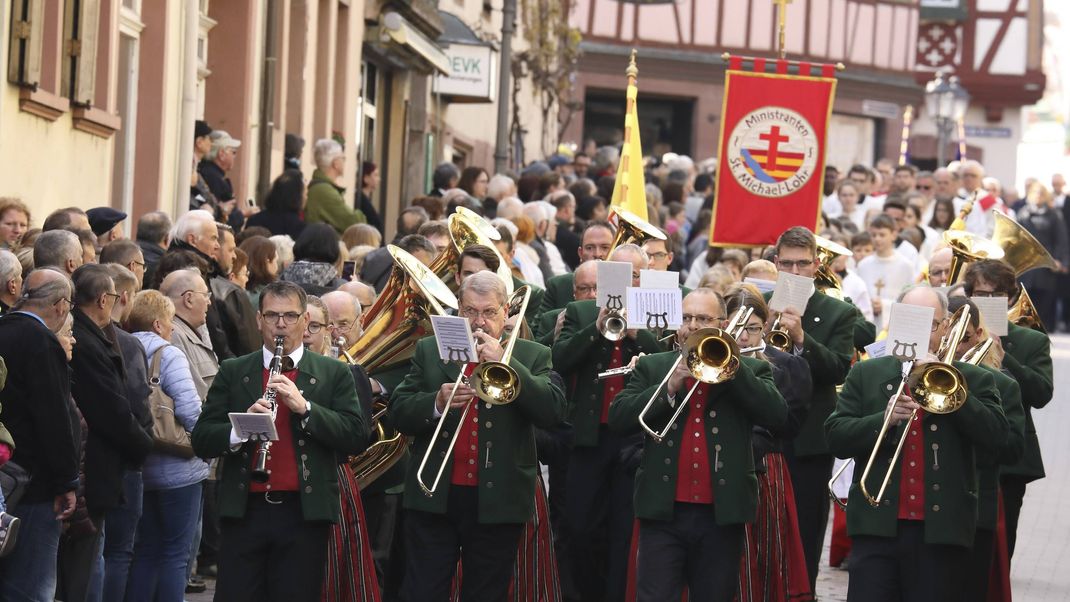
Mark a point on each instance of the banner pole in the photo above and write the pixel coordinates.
(783, 14)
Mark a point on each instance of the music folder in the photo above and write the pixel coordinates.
(252, 426)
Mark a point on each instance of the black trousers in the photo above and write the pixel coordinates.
(434, 543)
(381, 514)
(600, 516)
(980, 565)
(809, 478)
(906, 569)
(271, 553)
(1013, 488)
(209, 549)
(692, 550)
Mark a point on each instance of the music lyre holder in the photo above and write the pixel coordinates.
(658, 322)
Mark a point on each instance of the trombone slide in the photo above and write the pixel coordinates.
(430, 491)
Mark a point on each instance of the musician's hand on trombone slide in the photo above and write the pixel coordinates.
(902, 408)
(676, 378)
(460, 399)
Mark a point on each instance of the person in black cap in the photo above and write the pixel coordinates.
(106, 223)
(200, 196)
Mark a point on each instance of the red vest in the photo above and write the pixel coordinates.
(912, 472)
(612, 385)
(693, 483)
(281, 460)
(466, 453)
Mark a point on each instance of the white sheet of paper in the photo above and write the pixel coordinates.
(877, 349)
(763, 286)
(909, 327)
(613, 278)
(658, 279)
(993, 314)
(248, 425)
(454, 337)
(654, 308)
(791, 291)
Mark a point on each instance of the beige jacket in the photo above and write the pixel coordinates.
(203, 363)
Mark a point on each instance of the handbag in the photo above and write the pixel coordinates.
(168, 435)
(13, 482)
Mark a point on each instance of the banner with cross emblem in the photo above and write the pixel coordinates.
(771, 158)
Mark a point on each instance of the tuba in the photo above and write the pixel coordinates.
(392, 325)
(967, 247)
(633, 229)
(826, 280)
(1021, 250)
(469, 228)
(1023, 313)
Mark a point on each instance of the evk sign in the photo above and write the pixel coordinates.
(472, 75)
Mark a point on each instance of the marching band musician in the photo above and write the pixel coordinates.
(824, 337)
(1028, 360)
(584, 288)
(274, 534)
(599, 480)
(1010, 397)
(596, 241)
(696, 489)
(915, 546)
(487, 493)
(773, 564)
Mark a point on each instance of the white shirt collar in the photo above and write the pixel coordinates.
(296, 355)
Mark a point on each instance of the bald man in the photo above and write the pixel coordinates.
(365, 293)
(940, 267)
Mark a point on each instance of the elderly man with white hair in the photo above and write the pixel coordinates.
(326, 199)
(10, 280)
(545, 217)
(982, 218)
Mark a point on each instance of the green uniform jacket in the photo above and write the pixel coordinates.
(327, 204)
(534, 303)
(508, 463)
(828, 344)
(1010, 398)
(950, 441)
(544, 328)
(559, 292)
(1028, 360)
(393, 480)
(335, 429)
(580, 353)
(734, 408)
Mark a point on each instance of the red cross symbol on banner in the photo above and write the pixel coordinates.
(774, 138)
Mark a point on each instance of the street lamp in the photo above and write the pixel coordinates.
(946, 101)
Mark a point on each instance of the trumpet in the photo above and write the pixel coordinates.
(259, 473)
(613, 325)
(778, 337)
(712, 357)
(495, 382)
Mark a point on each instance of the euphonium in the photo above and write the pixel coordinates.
(260, 474)
(633, 229)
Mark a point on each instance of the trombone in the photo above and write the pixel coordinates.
(495, 382)
(938, 387)
(712, 357)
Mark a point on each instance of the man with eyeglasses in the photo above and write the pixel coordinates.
(37, 412)
(824, 337)
(596, 241)
(118, 442)
(940, 267)
(487, 491)
(1028, 360)
(274, 534)
(915, 544)
(599, 481)
(695, 489)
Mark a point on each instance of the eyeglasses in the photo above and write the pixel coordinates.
(699, 319)
(787, 264)
(342, 326)
(314, 327)
(70, 303)
(941, 272)
(205, 293)
(289, 318)
(140, 263)
(920, 187)
(659, 255)
(977, 293)
(585, 290)
(753, 330)
(486, 314)
(116, 295)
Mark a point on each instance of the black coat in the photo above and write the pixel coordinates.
(136, 384)
(568, 242)
(116, 440)
(1048, 227)
(278, 222)
(36, 407)
(377, 267)
(370, 212)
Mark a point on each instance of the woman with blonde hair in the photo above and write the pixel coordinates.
(14, 221)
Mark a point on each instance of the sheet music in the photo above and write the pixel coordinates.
(877, 349)
(658, 279)
(248, 425)
(453, 334)
(653, 308)
(993, 314)
(791, 291)
(909, 327)
(763, 286)
(613, 278)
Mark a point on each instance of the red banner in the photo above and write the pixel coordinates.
(771, 158)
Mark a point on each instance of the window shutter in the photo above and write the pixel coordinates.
(81, 26)
(27, 35)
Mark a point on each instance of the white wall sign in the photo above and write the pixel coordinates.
(472, 73)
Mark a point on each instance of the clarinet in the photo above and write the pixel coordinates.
(260, 474)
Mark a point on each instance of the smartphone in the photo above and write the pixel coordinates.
(347, 270)
(250, 203)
